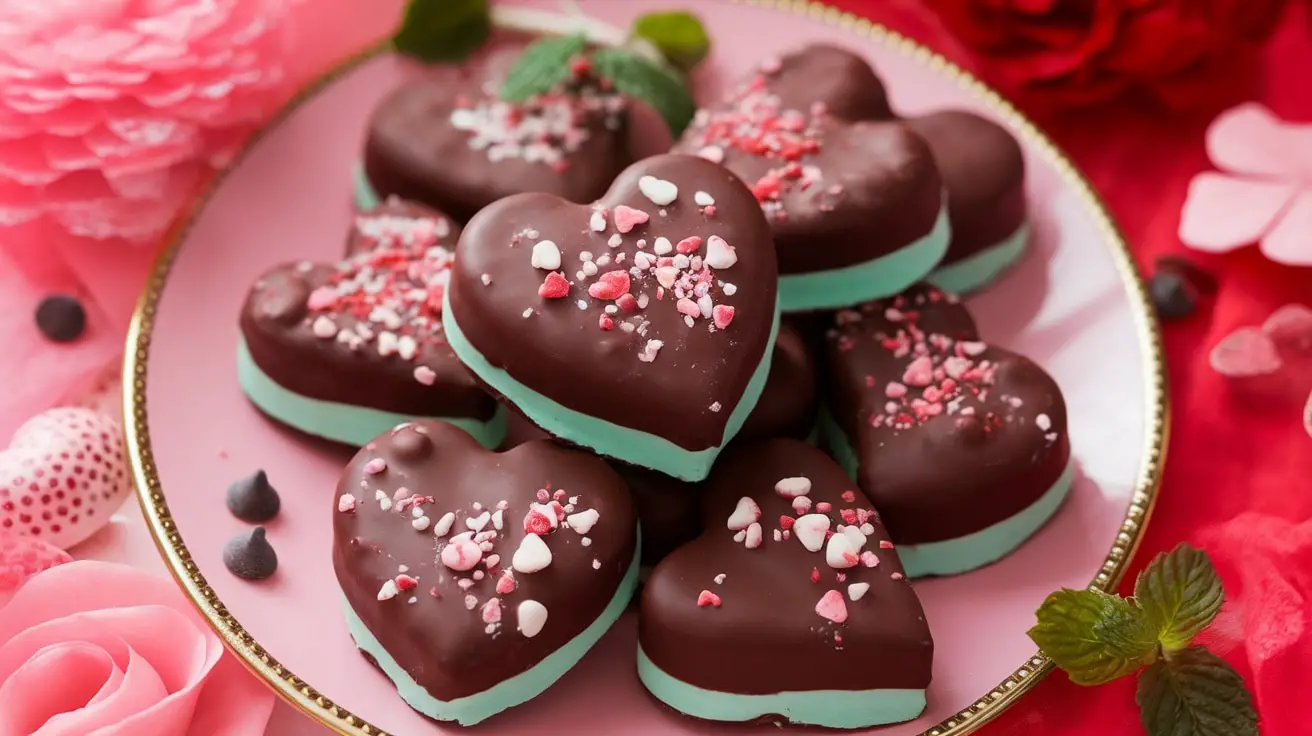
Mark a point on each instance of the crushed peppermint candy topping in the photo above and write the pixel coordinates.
(388, 296)
(753, 121)
(545, 129)
(941, 375)
(707, 598)
(658, 274)
(832, 606)
(744, 514)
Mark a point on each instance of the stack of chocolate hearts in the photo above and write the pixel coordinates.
(661, 344)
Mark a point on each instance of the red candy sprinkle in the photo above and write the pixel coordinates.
(785, 522)
(506, 583)
(849, 516)
(405, 582)
(610, 285)
(885, 544)
(723, 315)
(554, 287)
(849, 496)
(707, 598)
(815, 575)
(536, 522)
(689, 244)
(627, 218)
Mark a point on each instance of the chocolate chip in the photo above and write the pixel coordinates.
(253, 499)
(61, 318)
(1195, 275)
(1172, 296)
(250, 556)
(408, 443)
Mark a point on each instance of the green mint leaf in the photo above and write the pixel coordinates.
(544, 65)
(1094, 636)
(1195, 693)
(1181, 594)
(678, 35)
(443, 30)
(642, 79)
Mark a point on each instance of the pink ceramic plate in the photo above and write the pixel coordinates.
(1074, 305)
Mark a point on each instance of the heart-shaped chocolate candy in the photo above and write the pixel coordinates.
(641, 326)
(347, 351)
(983, 170)
(449, 142)
(474, 580)
(856, 205)
(792, 605)
(961, 445)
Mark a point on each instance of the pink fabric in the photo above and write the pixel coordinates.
(97, 647)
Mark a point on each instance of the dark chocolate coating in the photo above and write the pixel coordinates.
(277, 324)
(561, 352)
(440, 642)
(831, 74)
(250, 556)
(766, 636)
(878, 188)
(787, 406)
(983, 459)
(252, 499)
(984, 171)
(413, 150)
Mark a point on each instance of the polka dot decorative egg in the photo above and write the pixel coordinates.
(62, 476)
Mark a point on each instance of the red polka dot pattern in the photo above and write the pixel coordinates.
(63, 476)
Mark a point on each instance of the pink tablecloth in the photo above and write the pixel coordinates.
(1237, 478)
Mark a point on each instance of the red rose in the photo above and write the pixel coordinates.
(1066, 53)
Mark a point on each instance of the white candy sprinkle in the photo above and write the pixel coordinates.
(583, 521)
(662, 247)
(719, 254)
(478, 522)
(793, 487)
(650, 350)
(839, 553)
(546, 256)
(715, 406)
(596, 564)
(498, 519)
(597, 222)
(586, 541)
(443, 524)
(856, 591)
(744, 514)
(388, 591)
(533, 555)
(754, 536)
(346, 503)
(730, 289)
(582, 305)
(1043, 422)
(719, 579)
(659, 191)
(854, 537)
(615, 241)
(421, 523)
(324, 327)
(810, 530)
(740, 536)
(532, 617)
(703, 199)
(486, 279)
(528, 313)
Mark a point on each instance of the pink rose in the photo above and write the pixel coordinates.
(99, 647)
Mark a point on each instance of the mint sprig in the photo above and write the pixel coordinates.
(640, 78)
(1186, 690)
(678, 35)
(543, 66)
(443, 30)
(648, 68)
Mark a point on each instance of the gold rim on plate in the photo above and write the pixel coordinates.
(302, 695)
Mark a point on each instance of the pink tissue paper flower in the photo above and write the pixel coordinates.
(111, 110)
(1263, 193)
(96, 647)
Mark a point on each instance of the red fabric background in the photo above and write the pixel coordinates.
(1238, 478)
